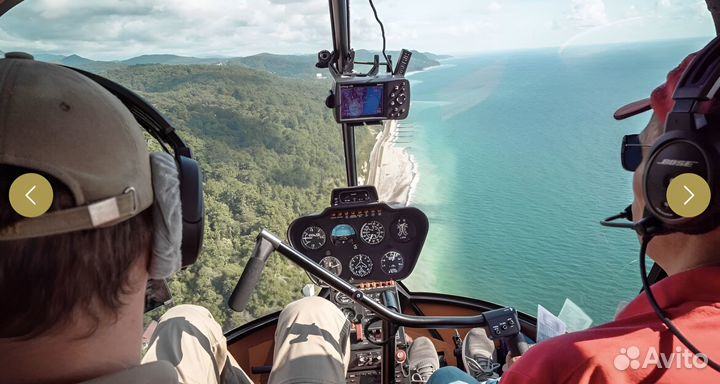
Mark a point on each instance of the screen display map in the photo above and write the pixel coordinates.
(359, 101)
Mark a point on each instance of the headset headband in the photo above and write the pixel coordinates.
(191, 194)
(701, 80)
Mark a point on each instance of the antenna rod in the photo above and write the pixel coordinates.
(714, 8)
(343, 63)
(340, 24)
(348, 132)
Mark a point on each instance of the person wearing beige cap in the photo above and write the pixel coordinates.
(73, 279)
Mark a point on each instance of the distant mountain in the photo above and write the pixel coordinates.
(418, 60)
(49, 57)
(295, 66)
(75, 60)
(171, 60)
(304, 65)
(436, 57)
(88, 64)
(281, 65)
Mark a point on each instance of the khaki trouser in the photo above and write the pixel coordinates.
(311, 345)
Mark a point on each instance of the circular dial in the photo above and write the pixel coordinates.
(349, 313)
(313, 238)
(361, 265)
(343, 234)
(372, 232)
(402, 230)
(332, 264)
(392, 262)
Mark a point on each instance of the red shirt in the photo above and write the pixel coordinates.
(637, 347)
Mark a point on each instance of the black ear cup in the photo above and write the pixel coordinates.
(674, 154)
(193, 209)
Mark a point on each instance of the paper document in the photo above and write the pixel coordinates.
(548, 325)
(575, 318)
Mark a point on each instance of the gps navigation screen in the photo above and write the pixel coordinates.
(361, 101)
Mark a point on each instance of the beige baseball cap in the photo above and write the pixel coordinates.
(58, 122)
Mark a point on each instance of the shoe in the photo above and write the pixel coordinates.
(423, 360)
(478, 354)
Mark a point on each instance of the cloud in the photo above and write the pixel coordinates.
(587, 13)
(663, 4)
(682, 9)
(114, 29)
(118, 29)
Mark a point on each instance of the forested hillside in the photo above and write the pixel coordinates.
(270, 151)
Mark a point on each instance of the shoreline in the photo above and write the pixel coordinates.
(392, 170)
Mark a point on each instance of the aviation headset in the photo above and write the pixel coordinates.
(178, 216)
(689, 144)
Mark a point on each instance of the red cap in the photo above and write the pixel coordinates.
(661, 100)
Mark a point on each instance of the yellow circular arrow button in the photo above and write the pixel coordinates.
(31, 195)
(688, 195)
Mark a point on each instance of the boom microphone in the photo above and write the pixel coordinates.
(625, 214)
(648, 225)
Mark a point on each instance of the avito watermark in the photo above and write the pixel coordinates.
(630, 358)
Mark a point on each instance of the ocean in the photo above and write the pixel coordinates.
(518, 160)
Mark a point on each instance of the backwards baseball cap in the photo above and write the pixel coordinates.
(661, 100)
(61, 123)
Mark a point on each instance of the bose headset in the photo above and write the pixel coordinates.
(690, 143)
(690, 138)
(188, 170)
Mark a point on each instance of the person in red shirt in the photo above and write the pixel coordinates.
(638, 347)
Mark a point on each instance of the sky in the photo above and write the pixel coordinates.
(119, 29)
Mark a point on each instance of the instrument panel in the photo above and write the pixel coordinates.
(369, 242)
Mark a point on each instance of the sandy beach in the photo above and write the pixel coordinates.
(393, 170)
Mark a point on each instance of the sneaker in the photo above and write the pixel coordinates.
(478, 354)
(423, 360)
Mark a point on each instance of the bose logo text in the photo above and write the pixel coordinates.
(678, 163)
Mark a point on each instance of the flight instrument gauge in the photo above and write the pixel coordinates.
(332, 264)
(343, 234)
(402, 230)
(392, 262)
(349, 313)
(372, 232)
(313, 238)
(361, 265)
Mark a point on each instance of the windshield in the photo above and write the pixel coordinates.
(510, 147)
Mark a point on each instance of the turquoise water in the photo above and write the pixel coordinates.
(518, 158)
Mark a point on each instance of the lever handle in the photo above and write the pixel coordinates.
(251, 274)
(517, 345)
